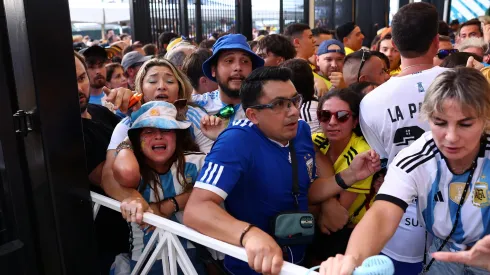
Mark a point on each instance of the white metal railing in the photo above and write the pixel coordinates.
(170, 248)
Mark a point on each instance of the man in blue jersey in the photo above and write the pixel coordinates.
(232, 61)
(255, 181)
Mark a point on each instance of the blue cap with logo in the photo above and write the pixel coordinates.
(230, 42)
(323, 48)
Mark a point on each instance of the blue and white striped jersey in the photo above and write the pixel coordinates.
(194, 115)
(212, 103)
(169, 187)
(421, 173)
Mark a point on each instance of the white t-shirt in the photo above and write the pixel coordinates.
(389, 119)
(421, 173)
(307, 112)
(193, 114)
(212, 103)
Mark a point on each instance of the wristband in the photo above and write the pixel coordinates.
(249, 226)
(341, 181)
(176, 205)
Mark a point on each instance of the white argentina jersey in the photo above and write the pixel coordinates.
(212, 103)
(421, 172)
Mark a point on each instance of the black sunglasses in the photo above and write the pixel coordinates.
(326, 116)
(441, 54)
(365, 57)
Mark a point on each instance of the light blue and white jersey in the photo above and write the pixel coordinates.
(169, 187)
(194, 115)
(420, 173)
(212, 103)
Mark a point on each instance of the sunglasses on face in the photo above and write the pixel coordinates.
(365, 56)
(441, 54)
(226, 112)
(279, 105)
(340, 116)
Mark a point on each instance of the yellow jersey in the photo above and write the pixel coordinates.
(355, 146)
(348, 51)
(395, 71)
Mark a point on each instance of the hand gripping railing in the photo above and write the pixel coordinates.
(170, 248)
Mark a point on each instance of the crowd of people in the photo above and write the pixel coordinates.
(303, 147)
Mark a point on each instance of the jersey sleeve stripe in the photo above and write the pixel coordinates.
(420, 163)
(218, 191)
(218, 176)
(210, 164)
(397, 201)
(430, 142)
(210, 177)
(347, 159)
(354, 151)
(419, 156)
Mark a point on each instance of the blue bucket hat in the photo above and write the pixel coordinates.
(158, 114)
(323, 48)
(230, 42)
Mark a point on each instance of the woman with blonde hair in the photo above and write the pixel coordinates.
(445, 171)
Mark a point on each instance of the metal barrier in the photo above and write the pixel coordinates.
(169, 246)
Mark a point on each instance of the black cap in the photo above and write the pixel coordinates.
(344, 30)
(95, 53)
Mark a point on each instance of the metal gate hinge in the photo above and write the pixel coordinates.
(23, 122)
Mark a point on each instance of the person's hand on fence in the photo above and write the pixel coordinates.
(133, 208)
(264, 254)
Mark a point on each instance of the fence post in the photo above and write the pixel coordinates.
(198, 21)
(245, 18)
(140, 20)
(184, 19)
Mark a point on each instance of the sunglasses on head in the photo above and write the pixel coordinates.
(226, 112)
(340, 116)
(441, 54)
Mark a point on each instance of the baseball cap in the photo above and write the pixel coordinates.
(344, 30)
(230, 42)
(94, 52)
(324, 47)
(132, 58)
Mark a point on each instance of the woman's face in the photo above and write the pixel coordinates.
(158, 146)
(386, 47)
(336, 130)
(456, 133)
(160, 84)
(118, 79)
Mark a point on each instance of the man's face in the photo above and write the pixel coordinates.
(469, 31)
(330, 62)
(83, 85)
(374, 70)
(443, 45)
(97, 73)
(232, 68)
(270, 59)
(386, 47)
(306, 43)
(279, 125)
(354, 39)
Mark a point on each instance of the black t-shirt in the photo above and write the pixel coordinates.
(97, 134)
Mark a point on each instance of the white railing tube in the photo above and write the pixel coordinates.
(192, 235)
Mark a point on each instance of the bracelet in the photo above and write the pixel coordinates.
(340, 181)
(249, 226)
(176, 205)
(124, 145)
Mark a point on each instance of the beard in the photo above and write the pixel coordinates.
(98, 82)
(84, 105)
(233, 93)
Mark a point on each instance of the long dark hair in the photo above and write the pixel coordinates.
(183, 143)
(350, 97)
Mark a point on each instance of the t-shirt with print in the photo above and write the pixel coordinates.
(355, 146)
(420, 173)
(256, 183)
(168, 187)
(212, 103)
(389, 119)
(194, 115)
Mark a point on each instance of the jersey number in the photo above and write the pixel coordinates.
(404, 136)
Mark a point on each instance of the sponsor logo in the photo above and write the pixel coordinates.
(306, 222)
